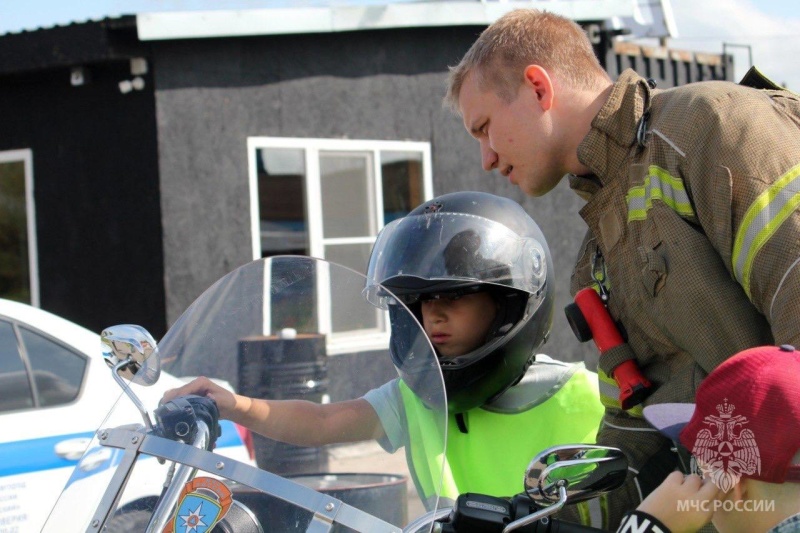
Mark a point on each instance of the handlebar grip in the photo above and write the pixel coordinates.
(206, 410)
(177, 419)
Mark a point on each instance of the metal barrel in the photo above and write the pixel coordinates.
(277, 368)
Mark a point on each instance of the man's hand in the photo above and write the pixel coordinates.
(698, 494)
(202, 386)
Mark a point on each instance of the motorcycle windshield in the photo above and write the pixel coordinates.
(289, 328)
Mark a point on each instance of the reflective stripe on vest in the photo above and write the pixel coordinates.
(658, 185)
(762, 220)
(609, 395)
(492, 458)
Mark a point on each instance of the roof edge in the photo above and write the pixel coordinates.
(278, 21)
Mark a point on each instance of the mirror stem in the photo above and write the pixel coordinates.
(547, 511)
(126, 387)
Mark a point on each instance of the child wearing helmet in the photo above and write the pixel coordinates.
(476, 266)
(475, 271)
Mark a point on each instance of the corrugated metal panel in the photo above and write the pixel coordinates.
(101, 20)
(668, 67)
(68, 45)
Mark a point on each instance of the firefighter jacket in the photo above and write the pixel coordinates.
(693, 226)
(693, 231)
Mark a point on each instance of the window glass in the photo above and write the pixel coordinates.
(15, 389)
(57, 371)
(403, 189)
(14, 254)
(281, 201)
(347, 195)
(329, 198)
(357, 316)
(301, 315)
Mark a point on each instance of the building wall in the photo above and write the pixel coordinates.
(388, 85)
(213, 94)
(97, 161)
(95, 190)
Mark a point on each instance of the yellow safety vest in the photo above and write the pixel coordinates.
(502, 438)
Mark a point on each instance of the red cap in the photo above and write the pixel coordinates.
(746, 419)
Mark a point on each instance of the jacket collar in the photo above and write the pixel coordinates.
(607, 145)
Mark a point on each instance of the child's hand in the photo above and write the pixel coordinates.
(696, 494)
(202, 386)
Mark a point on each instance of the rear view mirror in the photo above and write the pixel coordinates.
(133, 352)
(583, 471)
(570, 473)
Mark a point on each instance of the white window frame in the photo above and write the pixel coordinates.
(26, 157)
(349, 341)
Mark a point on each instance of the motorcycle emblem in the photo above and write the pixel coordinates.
(204, 501)
(723, 454)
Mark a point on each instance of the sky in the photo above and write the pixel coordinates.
(703, 25)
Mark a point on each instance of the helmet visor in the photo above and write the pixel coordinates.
(421, 251)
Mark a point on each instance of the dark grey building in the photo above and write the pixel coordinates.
(148, 155)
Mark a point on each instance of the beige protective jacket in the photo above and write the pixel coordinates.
(692, 207)
(697, 225)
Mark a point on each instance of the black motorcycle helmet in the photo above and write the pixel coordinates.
(462, 242)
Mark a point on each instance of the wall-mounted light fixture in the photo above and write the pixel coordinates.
(138, 66)
(138, 69)
(78, 76)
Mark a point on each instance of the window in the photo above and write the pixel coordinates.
(15, 388)
(19, 278)
(36, 371)
(329, 198)
(57, 371)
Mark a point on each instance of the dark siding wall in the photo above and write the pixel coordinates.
(96, 193)
(388, 85)
(213, 94)
(105, 186)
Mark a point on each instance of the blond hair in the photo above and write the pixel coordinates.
(524, 37)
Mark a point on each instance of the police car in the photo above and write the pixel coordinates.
(55, 390)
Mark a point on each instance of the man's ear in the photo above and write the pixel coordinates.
(539, 80)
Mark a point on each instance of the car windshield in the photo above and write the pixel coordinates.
(285, 328)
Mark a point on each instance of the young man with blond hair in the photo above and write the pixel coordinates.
(691, 207)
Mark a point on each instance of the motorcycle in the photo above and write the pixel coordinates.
(152, 467)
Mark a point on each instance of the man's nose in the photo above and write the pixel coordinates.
(488, 156)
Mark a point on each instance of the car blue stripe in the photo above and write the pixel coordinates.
(230, 436)
(34, 455)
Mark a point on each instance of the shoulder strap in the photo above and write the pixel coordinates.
(757, 80)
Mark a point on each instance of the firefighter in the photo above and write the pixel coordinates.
(691, 206)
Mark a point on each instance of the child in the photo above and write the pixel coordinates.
(475, 271)
(744, 435)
